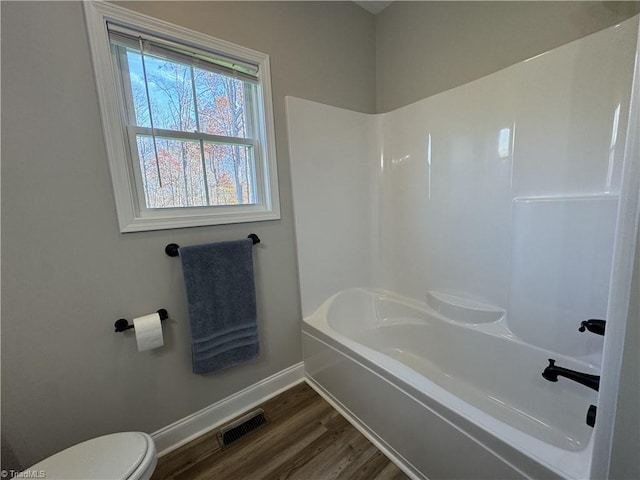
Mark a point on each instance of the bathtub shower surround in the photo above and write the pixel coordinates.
(334, 187)
(449, 248)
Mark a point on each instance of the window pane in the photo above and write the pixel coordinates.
(138, 90)
(170, 92)
(179, 164)
(221, 104)
(230, 174)
(228, 177)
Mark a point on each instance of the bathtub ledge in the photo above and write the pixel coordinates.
(463, 309)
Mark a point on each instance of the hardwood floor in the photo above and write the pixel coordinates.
(304, 439)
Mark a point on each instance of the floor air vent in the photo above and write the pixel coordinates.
(241, 427)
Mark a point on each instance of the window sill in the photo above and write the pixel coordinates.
(166, 220)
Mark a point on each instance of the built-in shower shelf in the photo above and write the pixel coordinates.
(462, 309)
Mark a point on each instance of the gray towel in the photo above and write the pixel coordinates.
(222, 303)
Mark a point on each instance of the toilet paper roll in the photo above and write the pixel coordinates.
(148, 332)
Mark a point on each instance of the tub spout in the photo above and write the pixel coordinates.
(552, 373)
(594, 325)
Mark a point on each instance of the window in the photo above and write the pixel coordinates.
(187, 121)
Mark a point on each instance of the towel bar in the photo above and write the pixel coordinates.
(123, 324)
(173, 249)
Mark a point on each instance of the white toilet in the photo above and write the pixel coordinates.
(119, 456)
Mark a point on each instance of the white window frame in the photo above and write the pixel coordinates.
(133, 215)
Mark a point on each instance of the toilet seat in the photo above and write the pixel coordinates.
(118, 456)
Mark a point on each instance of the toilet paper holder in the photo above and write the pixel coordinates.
(123, 324)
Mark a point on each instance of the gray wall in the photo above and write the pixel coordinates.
(425, 48)
(67, 272)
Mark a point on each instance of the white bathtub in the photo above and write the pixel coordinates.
(448, 399)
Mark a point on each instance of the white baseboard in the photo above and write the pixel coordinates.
(183, 431)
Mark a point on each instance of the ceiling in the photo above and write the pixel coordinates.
(372, 6)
